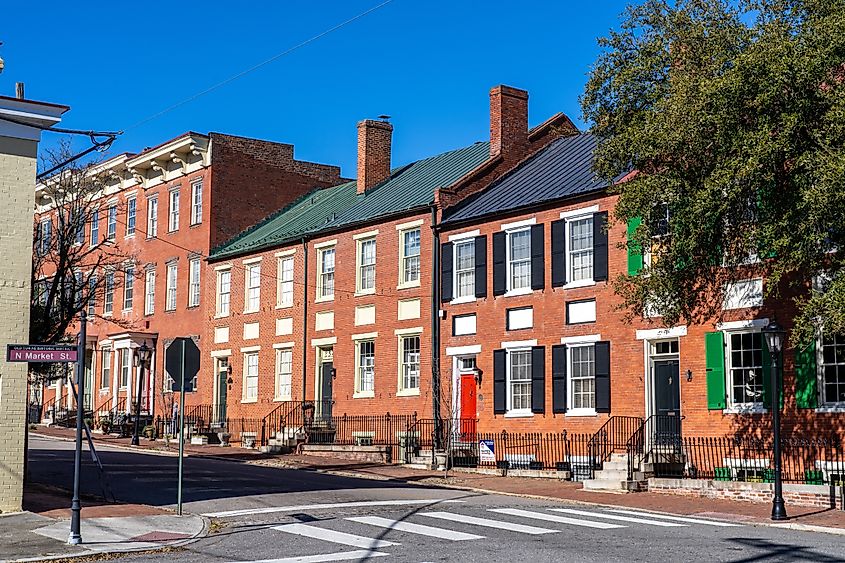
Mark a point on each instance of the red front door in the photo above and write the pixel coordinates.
(468, 404)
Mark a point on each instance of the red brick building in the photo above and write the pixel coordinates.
(165, 208)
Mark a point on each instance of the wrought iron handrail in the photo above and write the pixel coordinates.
(612, 437)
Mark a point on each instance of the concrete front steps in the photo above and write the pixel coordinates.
(613, 477)
(284, 441)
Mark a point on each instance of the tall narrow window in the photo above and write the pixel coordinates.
(45, 237)
(173, 214)
(366, 265)
(519, 380)
(410, 346)
(125, 367)
(325, 285)
(79, 227)
(111, 224)
(128, 287)
(833, 369)
(105, 374)
(170, 295)
(131, 205)
(78, 288)
(224, 288)
(108, 294)
(152, 217)
(194, 282)
(253, 288)
(150, 292)
(92, 294)
(745, 359)
(250, 377)
(196, 203)
(583, 376)
(95, 227)
(366, 368)
(410, 257)
(284, 374)
(465, 269)
(581, 249)
(519, 259)
(285, 295)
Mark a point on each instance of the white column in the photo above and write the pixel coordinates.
(130, 381)
(115, 374)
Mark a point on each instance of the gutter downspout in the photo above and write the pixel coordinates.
(435, 328)
(304, 326)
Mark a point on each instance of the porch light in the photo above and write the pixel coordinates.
(774, 335)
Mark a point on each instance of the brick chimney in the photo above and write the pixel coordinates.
(373, 153)
(508, 122)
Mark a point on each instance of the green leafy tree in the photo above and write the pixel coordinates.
(733, 117)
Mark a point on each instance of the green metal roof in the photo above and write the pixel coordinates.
(409, 187)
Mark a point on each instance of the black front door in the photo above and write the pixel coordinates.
(667, 398)
(326, 379)
(222, 388)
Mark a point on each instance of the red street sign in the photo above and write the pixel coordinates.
(46, 353)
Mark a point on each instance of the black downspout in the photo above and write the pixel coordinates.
(304, 325)
(435, 328)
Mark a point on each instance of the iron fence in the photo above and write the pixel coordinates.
(361, 430)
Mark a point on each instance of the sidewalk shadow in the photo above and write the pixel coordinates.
(774, 551)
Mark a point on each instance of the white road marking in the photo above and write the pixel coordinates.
(301, 507)
(621, 518)
(678, 518)
(464, 519)
(556, 518)
(333, 536)
(358, 555)
(415, 528)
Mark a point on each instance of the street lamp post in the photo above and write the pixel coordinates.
(142, 356)
(774, 339)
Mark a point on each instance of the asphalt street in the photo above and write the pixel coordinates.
(282, 515)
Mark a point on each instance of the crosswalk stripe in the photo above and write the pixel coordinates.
(464, 519)
(415, 528)
(303, 507)
(357, 555)
(555, 518)
(621, 518)
(678, 518)
(333, 536)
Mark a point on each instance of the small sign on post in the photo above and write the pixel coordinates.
(182, 362)
(486, 451)
(41, 353)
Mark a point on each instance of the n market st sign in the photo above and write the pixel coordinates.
(41, 353)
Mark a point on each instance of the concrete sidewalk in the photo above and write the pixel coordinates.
(41, 532)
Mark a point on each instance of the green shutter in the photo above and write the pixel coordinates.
(635, 251)
(767, 376)
(806, 391)
(714, 358)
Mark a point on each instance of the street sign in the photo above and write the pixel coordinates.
(175, 363)
(42, 353)
(486, 451)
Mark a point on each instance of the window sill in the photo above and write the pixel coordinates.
(831, 408)
(250, 312)
(519, 414)
(408, 285)
(108, 315)
(173, 310)
(461, 300)
(518, 292)
(325, 299)
(129, 236)
(245, 401)
(364, 395)
(282, 399)
(221, 316)
(284, 306)
(365, 292)
(579, 283)
(746, 409)
(581, 412)
(408, 393)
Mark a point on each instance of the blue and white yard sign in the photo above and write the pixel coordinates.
(486, 451)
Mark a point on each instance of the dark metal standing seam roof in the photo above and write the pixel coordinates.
(563, 169)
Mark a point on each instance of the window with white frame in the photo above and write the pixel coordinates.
(45, 238)
(519, 259)
(284, 297)
(173, 212)
(365, 369)
(128, 287)
(325, 273)
(95, 227)
(367, 265)
(250, 376)
(105, 370)
(125, 367)
(832, 368)
(92, 294)
(79, 227)
(745, 367)
(253, 288)
(582, 376)
(409, 347)
(410, 257)
(193, 282)
(580, 249)
(150, 292)
(224, 289)
(170, 293)
(519, 380)
(152, 216)
(465, 268)
(284, 374)
(131, 208)
(196, 202)
(108, 294)
(111, 223)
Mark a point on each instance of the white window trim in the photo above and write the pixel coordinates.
(283, 253)
(742, 325)
(152, 218)
(470, 350)
(402, 391)
(126, 233)
(578, 341)
(461, 237)
(415, 331)
(248, 352)
(359, 242)
(247, 273)
(221, 353)
(740, 408)
(463, 300)
(575, 340)
(147, 293)
(570, 216)
(519, 343)
(406, 227)
(365, 336)
(511, 348)
(519, 225)
(824, 407)
(281, 257)
(328, 341)
(464, 238)
(249, 261)
(279, 349)
(325, 244)
(248, 349)
(366, 235)
(194, 185)
(220, 270)
(356, 393)
(580, 213)
(508, 280)
(410, 225)
(191, 303)
(321, 248)
(660, 333)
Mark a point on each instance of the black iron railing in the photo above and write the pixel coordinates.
(613, 437)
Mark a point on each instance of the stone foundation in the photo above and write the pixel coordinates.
(797, 494)
(369, 454)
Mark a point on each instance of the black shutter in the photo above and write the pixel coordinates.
(538, 379)
(500, 388)
(481, 266)
(446, 263)
(603, 376)
(558, 253)
(538, 258)
(499, 266)
(600, 246)
(559, 378)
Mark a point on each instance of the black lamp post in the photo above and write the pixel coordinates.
(142, 356)
(774, 339)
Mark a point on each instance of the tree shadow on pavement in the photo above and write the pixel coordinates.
(768, 550)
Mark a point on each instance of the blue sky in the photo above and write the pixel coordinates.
(428, 64)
